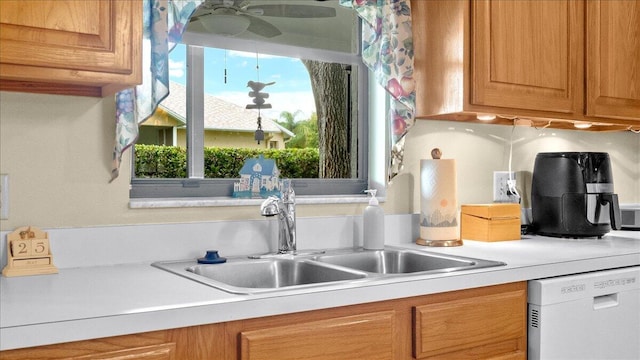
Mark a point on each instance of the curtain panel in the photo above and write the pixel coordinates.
(387, 49)
(164, 22)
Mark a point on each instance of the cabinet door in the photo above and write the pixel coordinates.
(613, 59)
(90, 43)
(527, 54)
(139, 346)
(204, 342)
(367, 336)
(473, 324)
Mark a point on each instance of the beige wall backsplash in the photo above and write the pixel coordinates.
(481, 149)
(57, 152)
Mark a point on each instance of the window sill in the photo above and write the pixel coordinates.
(159, 203)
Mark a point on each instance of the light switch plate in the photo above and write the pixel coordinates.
(4, 196)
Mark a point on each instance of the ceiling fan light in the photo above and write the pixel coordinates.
(224, 24)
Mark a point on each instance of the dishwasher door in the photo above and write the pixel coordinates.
(586, 316)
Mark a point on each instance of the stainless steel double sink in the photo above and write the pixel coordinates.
(242, 275)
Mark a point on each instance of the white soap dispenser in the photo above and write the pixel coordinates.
(373, 224)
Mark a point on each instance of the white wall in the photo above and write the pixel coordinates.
(57, 151)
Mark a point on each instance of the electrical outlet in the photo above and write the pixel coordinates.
(4, 197)
(501, 190)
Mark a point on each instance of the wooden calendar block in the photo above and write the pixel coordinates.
(21, 248)
(40, 247)
(28, 253)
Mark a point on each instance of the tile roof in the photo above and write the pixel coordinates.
(219, 114)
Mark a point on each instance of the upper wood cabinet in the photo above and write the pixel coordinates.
(527, 59)
(89, 48)
(526, 55)
(613, 59)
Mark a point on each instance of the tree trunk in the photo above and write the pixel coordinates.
(329, 85)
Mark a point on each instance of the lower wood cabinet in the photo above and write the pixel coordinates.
(481, 323)
(472, 324)
(196, 342)
(369, 335)
(145, 346)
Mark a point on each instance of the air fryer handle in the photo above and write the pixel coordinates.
(614, 209)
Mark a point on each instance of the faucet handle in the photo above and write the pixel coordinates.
(270, 207)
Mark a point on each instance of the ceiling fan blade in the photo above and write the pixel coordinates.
(261, 27)
(295, 11)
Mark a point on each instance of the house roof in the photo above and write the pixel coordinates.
(219, 114)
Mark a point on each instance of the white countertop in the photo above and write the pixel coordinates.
(91, 302)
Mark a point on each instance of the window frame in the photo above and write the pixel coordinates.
(195, 185)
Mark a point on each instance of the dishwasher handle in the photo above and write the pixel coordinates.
(605, 301)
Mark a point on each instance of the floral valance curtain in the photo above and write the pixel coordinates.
(164, 22)
(387, 49)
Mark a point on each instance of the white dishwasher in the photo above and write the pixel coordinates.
(585, 316)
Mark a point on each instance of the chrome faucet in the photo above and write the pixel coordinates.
(285, 209)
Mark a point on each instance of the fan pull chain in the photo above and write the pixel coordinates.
(258, 78)
(257, 67)
(225, 66)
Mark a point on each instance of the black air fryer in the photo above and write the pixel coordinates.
(572, 195)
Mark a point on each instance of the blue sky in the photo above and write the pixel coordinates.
(291, 92)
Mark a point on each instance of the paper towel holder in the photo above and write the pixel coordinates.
(429, 238)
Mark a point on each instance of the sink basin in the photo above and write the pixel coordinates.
(276, 272)
(403, 261)
(244, 276)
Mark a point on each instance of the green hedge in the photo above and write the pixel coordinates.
(154, 161)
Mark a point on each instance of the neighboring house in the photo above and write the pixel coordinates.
(225, 124)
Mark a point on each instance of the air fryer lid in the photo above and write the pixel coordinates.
(595, 167)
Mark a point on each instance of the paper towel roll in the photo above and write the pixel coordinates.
(438, 200)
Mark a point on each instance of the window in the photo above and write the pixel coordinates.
(203, 111)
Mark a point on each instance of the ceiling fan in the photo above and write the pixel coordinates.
(232, 17)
